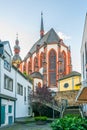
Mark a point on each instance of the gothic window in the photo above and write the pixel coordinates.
(24, 67)
(64, 62)
(52, 78)
(52, 60)
(29, 67)
(35, 63)
(41, 59)
(52, 67)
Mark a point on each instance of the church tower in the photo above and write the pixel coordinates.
(42, 27)
(16, 58)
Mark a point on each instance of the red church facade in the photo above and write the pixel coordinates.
(49, 56)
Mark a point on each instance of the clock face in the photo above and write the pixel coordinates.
(66, 85)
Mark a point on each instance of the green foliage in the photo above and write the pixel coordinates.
(43, 96)
(73, 115)
(40, 118)
(29, 77)
(70, 123)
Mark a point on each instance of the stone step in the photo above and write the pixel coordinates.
(71, 111)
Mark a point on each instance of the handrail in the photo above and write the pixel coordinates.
(57, 108)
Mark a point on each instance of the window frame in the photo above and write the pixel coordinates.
(7, 83)
(9, 108)
(19, 89)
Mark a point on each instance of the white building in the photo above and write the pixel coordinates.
(14, 89)
(82, 95)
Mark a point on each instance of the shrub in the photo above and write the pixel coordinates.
(40, 118)
(70, 123)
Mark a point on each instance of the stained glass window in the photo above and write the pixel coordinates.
(41, 59)
(52, 67)
(52, 60)
(52, 77)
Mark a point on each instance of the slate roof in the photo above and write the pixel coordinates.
(73, 73)
(50, 36)
(6, 42)
(36, 75)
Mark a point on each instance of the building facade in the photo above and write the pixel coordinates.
(50, 57)
(70, 82)
(14, 89)
(82, 95)
(69, 86)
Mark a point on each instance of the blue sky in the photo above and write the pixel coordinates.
(67, 17)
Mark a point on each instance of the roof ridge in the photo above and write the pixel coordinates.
(52, 30)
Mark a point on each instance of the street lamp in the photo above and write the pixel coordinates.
(53, 95)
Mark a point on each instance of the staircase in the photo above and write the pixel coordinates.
(73, 110)
(52, 106)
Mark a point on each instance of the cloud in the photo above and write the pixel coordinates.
(64, 36)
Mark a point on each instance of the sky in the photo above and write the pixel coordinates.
(67, 17)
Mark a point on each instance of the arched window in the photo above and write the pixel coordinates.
(64, 62)
(41, 59)
(52, 67)
(24, 68)
(29, 67)
(39, 85)
(35, 63)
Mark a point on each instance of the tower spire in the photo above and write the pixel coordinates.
(17, 41)
(42, 27)
(16, 58)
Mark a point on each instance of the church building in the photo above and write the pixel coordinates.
(48, 60)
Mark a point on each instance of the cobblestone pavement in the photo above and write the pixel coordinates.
(29, 126)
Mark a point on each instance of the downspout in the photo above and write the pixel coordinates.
(15, 95)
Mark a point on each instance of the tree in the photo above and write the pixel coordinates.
(41, 96)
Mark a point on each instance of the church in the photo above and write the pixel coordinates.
(48, 60)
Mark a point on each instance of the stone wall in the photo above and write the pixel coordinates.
(70, 96)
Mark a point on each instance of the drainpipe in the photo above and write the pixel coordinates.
(15, 82)
(15, 94)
